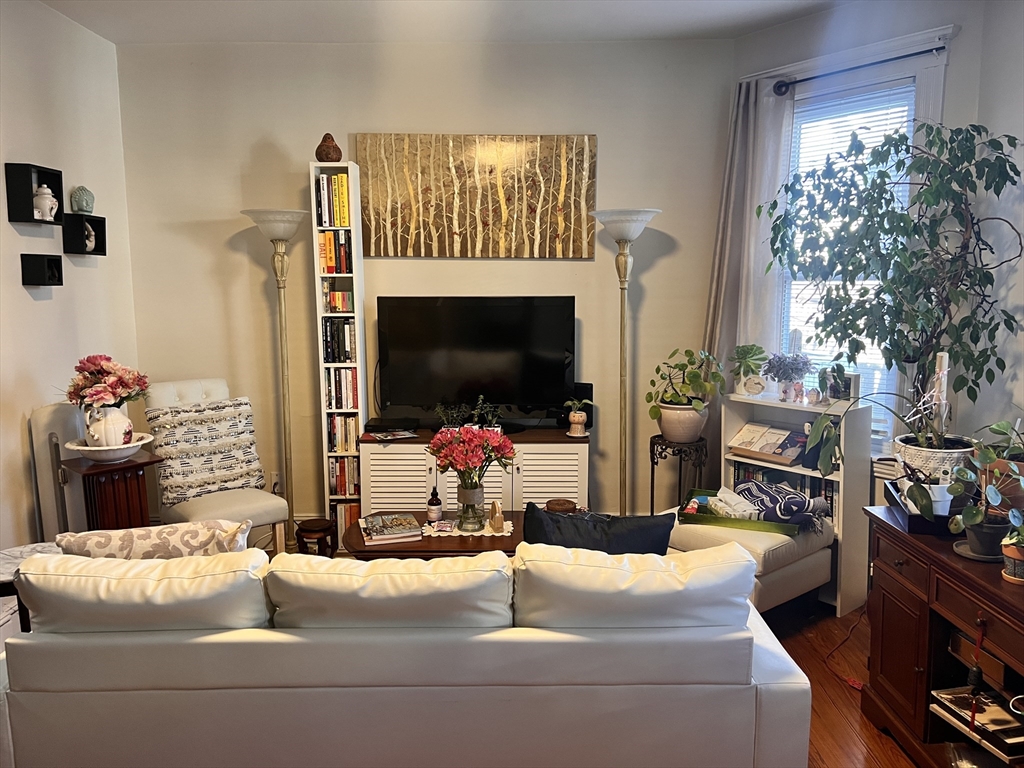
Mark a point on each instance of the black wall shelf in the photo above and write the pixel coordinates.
(74, 234)
(22, 180)
(42, 269)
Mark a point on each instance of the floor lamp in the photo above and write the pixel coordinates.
(624, 226)
(279, 227)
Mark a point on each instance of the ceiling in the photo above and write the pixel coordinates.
(132, 22)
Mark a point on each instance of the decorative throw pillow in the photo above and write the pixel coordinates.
(159, 542)
(206, 447)
(605, 533)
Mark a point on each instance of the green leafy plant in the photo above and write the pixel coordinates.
(830, 380)
(485, 414)
(913, 278)
(452, 415)
(575, 405)
(995, 485)
(787, 367)
(693, 380)
(749, 358)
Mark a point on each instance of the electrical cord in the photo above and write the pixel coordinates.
(850, 681)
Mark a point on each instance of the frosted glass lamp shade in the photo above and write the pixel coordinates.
(276, 224)
(625, 223)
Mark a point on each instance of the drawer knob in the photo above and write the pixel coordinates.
(919, 670)
(897, 564)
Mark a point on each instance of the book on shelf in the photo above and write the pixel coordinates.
(345, 513)
(393, 526)
(767, 443)
(332, 200)
(321, 250)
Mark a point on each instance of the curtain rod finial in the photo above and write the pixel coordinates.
(781, 88)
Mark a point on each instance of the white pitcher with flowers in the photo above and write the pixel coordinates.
(101, 387)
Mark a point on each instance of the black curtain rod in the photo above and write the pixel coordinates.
(781, 87)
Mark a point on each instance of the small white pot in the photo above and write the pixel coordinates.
(681, 423)
(941, 498)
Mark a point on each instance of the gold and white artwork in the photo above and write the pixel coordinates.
(479, 197)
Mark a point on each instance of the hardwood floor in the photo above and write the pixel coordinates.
(841, 737)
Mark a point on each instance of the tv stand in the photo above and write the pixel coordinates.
(387, 425)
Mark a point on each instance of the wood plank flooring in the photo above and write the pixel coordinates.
(841, 737)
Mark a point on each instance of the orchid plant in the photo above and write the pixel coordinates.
(99, 381)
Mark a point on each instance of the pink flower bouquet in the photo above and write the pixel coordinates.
(100, 381)
(470, 452)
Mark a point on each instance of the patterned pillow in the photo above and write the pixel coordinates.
(206, 447)
(160, 542)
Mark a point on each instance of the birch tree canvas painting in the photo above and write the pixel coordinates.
(480, 197)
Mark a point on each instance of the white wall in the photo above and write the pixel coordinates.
(983, 85)
(58, 108)
(210, 130)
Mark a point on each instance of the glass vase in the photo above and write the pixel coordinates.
(471, 509)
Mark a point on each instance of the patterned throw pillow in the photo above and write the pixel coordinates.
(206, 447)
(160, 542)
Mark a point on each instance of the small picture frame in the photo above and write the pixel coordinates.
(851, 386)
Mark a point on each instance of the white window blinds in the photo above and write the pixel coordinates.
(822, 125)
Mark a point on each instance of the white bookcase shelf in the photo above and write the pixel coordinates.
(849, 586)
(337, 504)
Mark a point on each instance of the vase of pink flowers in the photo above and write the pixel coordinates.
(101, 387)
(470, 452)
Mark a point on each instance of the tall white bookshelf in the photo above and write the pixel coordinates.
(849, 586)
(341, 338)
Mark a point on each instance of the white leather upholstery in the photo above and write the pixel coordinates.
(6, 745)
(66, 593)
(792, 580)
(165, 394)
(770, 551)
(444, 592)
(560, 587)
(236, 505)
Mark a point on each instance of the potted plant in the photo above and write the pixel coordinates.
(748, 359)
(452, 416)
(485, 414)
(577, 417)
(680, 393)
(912, 273)
(101, 387)
(1013, 549)
(788, 370)
(995, 485)
(830, 382)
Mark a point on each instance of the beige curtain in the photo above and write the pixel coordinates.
(743, 301)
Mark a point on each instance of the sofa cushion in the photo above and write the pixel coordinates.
(310, 591)
(238, 504)
(206, 447)
(79, 594)
(159, 542)
(771, 551)
(604, 533)
(559, 587)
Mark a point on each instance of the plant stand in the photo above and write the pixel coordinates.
(695, 453)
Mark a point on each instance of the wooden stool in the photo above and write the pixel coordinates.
(322, 531)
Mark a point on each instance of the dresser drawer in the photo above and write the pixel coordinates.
(907, 568)
(1002, 635)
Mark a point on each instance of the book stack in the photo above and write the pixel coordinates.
(390, 528)
(333, 252)
(343, 475)
(336, 301)
(342, 433)
(347, 512)
(332, 199)
(339, 340)
(340, 388)
(766, 443)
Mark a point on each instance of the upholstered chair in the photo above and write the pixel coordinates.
(210, 459)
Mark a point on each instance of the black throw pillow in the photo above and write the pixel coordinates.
(605, 533)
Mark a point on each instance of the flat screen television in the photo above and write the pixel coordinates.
(517, 351)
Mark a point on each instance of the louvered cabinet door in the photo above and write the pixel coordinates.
(497, 487)
(395, 477)
(549, 471)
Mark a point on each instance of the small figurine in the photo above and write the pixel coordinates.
(328, 151)
(82, 200)
(813, 396)
(90, 238)
(44, 204)
(496, 519)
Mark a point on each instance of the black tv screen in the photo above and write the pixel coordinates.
(518, 351)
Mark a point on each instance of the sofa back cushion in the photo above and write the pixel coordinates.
(159, 542)
(558, 587)
(605, 533)
(65, 593)
(310, 591)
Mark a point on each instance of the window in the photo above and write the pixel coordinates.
(822, 124)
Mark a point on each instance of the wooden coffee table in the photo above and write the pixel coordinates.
(434, 546)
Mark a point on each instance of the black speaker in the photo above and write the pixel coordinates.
(582, 390)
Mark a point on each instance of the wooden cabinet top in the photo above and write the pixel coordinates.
(87, 468)
(424, 436)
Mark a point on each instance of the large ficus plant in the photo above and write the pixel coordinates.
(894, 243)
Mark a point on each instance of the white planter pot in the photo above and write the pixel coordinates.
(107, 427)
(936, 463)
(681, 423)
(941, 498)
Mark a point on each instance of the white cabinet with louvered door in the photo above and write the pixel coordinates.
(545, 471)
(397, 474)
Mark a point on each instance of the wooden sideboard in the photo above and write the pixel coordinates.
(924, 598)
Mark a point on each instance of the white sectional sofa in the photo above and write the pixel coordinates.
(590, 660)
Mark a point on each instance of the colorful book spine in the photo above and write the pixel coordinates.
(341, 200)
(325, 216)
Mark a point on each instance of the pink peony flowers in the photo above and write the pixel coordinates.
(100, 381)
(470, 451)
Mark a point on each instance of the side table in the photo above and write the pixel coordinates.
(115, 494)
(695, 453)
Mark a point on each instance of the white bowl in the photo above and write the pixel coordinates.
(109, 454)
